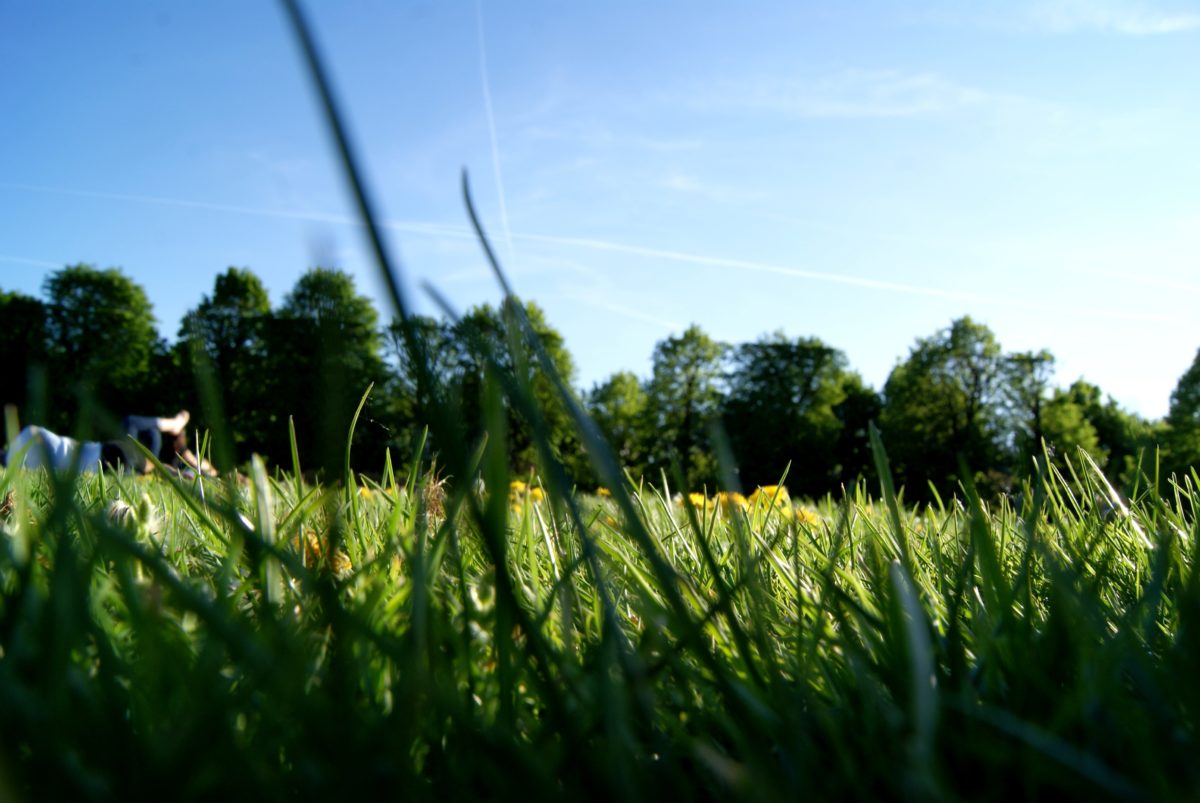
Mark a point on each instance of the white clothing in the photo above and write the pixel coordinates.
(56, 451)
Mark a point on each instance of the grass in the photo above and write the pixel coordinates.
(277, 640)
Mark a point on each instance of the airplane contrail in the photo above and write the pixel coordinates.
(458, 232)
(491, 121)
(42, 263)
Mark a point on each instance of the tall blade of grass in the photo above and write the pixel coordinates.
(1082, 765)
(211, 405)
(437, 410)
(996, 590)
(922, 692)
(1113, 498)
(899, 538)
(351, 488)
(264, 524)
(297, 476)
(414, 469)
(598, 451)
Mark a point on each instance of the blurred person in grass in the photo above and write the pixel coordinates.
(164, 437)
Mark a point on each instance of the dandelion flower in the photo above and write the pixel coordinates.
(775, 495)
(806, 516)
(731, 500)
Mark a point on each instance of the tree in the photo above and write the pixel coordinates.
(860, 405)
(618, 406)
(1027, 382)
(1123, 437)
(1183, 421)
(942, 402)
(405, 414)
(22, 345)
(1066, 430)
(482, 330)
(781, 408)
(101, 338)
(228, 327)
(1038, 416)
(683, 400)
(323, 349)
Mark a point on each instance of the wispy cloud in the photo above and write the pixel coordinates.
(624, 311)
(751, 266)
(596, 134)
(849, 93)
(41, 263)
(688, 184)
(1127, 17)
(457, 232)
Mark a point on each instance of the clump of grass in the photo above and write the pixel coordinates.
(152, 640)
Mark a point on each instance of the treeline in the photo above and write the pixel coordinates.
(89, 352)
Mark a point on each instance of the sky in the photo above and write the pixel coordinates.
(860, 172)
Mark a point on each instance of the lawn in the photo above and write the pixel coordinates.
(277, 639)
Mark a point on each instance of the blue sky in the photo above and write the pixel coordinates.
(861, 172)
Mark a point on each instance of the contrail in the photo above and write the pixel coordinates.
(413, 227)
(835, 278)
(41, 263)
(452, 231)
(491, 121)
(625, 312)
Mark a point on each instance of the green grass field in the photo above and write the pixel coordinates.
(277, 640)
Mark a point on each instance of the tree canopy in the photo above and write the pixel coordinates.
(781, 408)
(100, 339)
(956, 399)
(683, 399)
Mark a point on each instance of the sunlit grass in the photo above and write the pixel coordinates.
(272, 636)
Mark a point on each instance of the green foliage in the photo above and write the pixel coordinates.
(229, 328)
(1183, 419)
(781, 408)
(101, 338)
(323, 349)
(683, 399)
(283, 641)
(1125, 438)
(619, 407)
(401, 411)
(22, 345)
(860, 406)
(480, 342)
(310, 360)
(1042, 418)
(943, 402)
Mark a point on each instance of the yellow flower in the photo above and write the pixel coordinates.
(806, 516)
(364, 492)
(604, 492)
(516, 487)
(775, 495)
(731, 500)
(314, 550)
(699, 501)
(536, 495)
